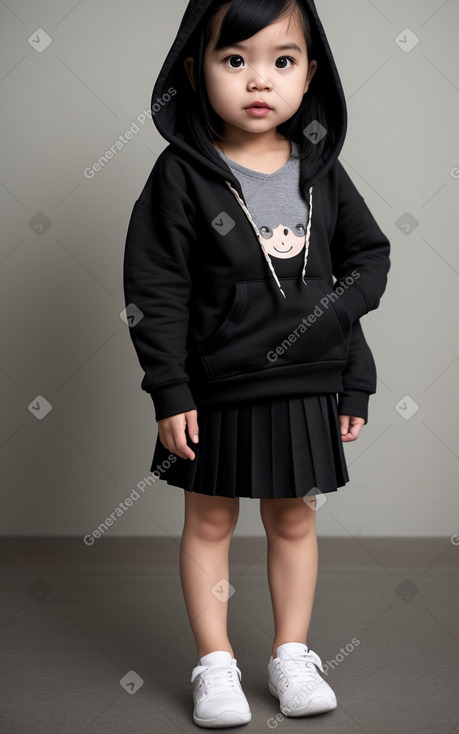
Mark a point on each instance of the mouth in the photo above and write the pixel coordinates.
(258, 106)
(258, 109)
(284, 251)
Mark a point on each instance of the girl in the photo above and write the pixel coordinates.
(250, 259)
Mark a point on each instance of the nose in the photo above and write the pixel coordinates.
(285, 232)
(258, 81)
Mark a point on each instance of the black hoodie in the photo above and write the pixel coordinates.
(210, 320)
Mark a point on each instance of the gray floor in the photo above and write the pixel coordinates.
(75, 620)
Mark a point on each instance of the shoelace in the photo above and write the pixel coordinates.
(299, 666)
(218, 676)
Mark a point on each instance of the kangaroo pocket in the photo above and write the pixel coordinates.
(263, 330)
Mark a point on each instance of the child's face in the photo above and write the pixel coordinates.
(271, 67)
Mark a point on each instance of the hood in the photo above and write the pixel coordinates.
(170, 118)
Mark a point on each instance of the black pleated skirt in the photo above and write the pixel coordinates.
(271, 447)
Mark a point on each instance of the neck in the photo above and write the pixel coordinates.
(235, 139)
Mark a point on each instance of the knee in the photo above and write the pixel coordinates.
(290, 523)
(215, 523)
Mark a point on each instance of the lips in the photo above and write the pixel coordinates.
(258, 109)
(258, 105)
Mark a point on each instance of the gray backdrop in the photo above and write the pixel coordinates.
(75, 76)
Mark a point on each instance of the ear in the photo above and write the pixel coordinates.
(190, 68)
(311, 71)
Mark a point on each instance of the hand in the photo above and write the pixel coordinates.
(350, 427)
(171, 432)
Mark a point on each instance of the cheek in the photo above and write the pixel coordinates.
(218, 90)
(298, 90)
(298, 245)
(296, 85)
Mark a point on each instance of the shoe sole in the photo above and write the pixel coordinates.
(227, 718)
(319, 706)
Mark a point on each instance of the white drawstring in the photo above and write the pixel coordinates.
(260, 236)
(308, 236)
(260, 239)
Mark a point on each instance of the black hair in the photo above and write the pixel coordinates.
(244, 19)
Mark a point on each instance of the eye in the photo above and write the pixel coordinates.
(284, 62)
(300, 229)
(235, 62)
(266, 232)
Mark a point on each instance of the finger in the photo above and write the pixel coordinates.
(166, 435)
(171, 433)
(192, 425)
(162, 437)
(183, 450)
(356, 426)
(180, 446)
(344, 423)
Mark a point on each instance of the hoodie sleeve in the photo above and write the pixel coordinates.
(359, 377)
(360, 254)
(157, 282)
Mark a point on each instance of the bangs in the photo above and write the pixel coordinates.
(245, 18)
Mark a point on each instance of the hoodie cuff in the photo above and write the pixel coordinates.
(354, 402)
(172, 400)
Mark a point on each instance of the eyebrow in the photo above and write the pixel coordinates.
(283, 47)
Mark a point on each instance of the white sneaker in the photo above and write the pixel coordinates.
(294, 680)
(219, 700)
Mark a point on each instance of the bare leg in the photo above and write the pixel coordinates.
(206, 538)
(292, 566)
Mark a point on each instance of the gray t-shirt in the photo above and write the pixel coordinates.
(277, 208)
